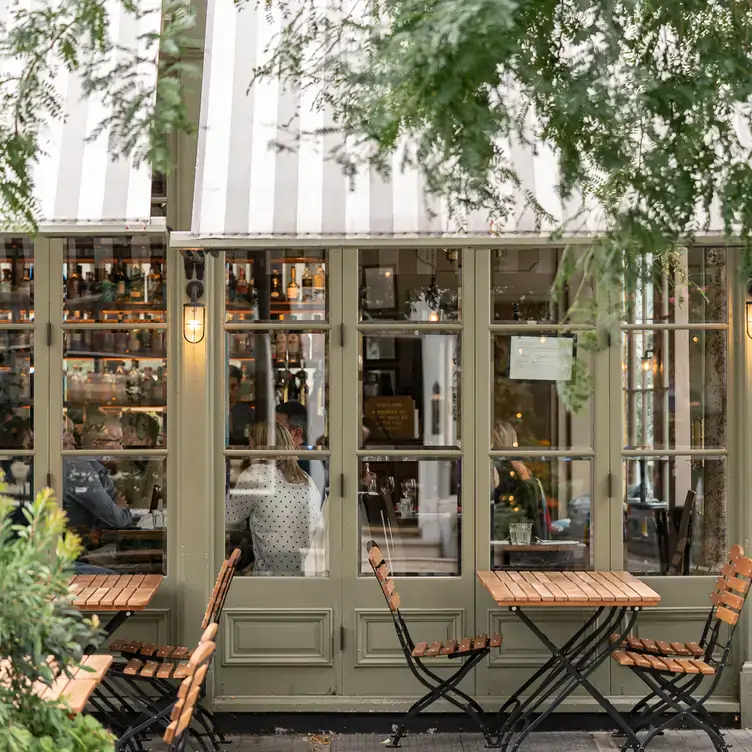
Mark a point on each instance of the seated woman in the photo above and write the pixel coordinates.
(516, 496)
(279, 502)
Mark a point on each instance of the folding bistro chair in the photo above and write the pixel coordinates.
(176, 733)
(157, 665)
(674, 671)
(187, 696)
(415, 653)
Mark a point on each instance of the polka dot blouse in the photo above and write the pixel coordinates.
(282, 517)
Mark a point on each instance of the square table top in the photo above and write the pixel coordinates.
(551, 589)
(116, 592)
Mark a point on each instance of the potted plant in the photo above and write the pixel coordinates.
(41, 633)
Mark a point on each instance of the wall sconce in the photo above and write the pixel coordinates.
(647, 360)
(194, 314)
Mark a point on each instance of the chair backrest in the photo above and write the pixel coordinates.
(383, 575)
(221, 588)
(189, 691)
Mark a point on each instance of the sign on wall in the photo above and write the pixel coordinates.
(541, 358)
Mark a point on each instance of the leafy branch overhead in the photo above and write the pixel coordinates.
(644, 104)
(42, 43)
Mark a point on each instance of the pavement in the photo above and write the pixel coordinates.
(600, 741)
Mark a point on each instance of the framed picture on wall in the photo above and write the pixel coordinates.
(379, 348)
(380, 290)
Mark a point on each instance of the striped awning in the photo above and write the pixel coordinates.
(76, 182)
(258, 177)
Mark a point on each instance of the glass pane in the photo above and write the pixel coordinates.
(410, 387)
(412, 509)
(527, 412)
(674, 389)
(118, 507)
(16, 389)
(694, 292)
(276, 285)
(116, 378)
(540, 513)
(17, 281)
(276, 512)
(521, 282)
(668, 500)
(278, 376)
(19, 482)
(420, 284)
(114, 280)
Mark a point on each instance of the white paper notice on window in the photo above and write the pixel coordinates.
(541, 358)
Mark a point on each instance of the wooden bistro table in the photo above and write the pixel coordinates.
(613, 595)
(121, 594)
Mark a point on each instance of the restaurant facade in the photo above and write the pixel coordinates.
(303, 330)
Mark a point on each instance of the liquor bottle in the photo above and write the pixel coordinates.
(293, 349)
(77, 337)
(436, 409)
(276, 294)
(107, 287)
(154, 284)
(73, 284)
(307, 293)
(280, 348)
(293, 288)
(146, 335)
(158, 341)
(319, 281)
(134, 343)
(121, 283)
(136, 292)
(88, 334)
(232, 283)
(133, 385)
(281, 387)
(25, 287)
(241, 288)
(293, 391)
(302, 377)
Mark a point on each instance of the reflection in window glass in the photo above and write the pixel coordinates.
(674, 389)
(412, 509)
(419, 284)
(278, 376)
(18, 474)
(276, 510)
(410, 389)
(527, 412)
(668, 500)
(118, 507)
(116, 376)
(16, 389)
(114, 280)
(540, 513)
(17, 281)
(276, 285)
(694, 292)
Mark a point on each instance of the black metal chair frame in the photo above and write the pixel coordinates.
(437, 687)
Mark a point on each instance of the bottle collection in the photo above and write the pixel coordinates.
(292, 287)
(114, 341)
(121, 382)
(16, 291)
(133, 282)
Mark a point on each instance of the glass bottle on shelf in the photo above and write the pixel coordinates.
(293, 349)
(307, 292)
(319, 281)
(121, 341)
(77, 339)
(146, 335)
(73, 283)
(281, 386)
(136, 292)
(133, 385)
(253, 296)
(280, 348)
(154, 284)
(302, 377)
(241, 288)
(276, 294)
(134, 343)
(121, 283)
(25, 287)
(107, 287)
(293, 288)
(232, 283)
(158, 340)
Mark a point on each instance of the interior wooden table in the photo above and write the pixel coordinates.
(121, 594)
(613, 595)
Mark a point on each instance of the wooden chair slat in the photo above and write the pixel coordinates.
(740, 586)
(634, 643)
(622, 658)
(165, 670)
(165, 651)
(495, 640)
(480, 642)
(656, 662)
(726, 615)
(150, 668)
(210, 633)
(650, 645)
(695, 648)
(149, 649)
(169, 733)
(705, 668)
(688, 666)
(638, 659)
(394, 602)
(133, 667)
(465, 645)
(663, 646)
(78, 692)
(450, 646)
(743, 566)
(680, 649)
(434, 650)
(672, 665)
(177, 710)
(733, 601)
(420, 649)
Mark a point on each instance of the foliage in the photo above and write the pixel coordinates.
(646, 106)
(40, 41)
(38, 622)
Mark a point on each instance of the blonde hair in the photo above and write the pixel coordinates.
(276, 436)
(504, 436)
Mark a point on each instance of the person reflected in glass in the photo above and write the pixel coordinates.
(138, 478)
(90, 498)
(242, 414)
(294, 417)
(17, 470)
(280, 504)
(516, 496)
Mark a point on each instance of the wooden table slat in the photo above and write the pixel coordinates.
(96, 599)
(623, 587)
(137, 580)
(141, 597)
(553, 588)
(80, 600)
(112, 580)
(123, 598)
(583, 584)
(111, 597)
(531, 593)
(602, 584)
(99, 580)
(499, 591)
(539, 587)
(570, 588)
(125, 580)
(637, 585)
(518, 594)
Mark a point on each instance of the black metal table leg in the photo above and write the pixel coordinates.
(571, 669)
